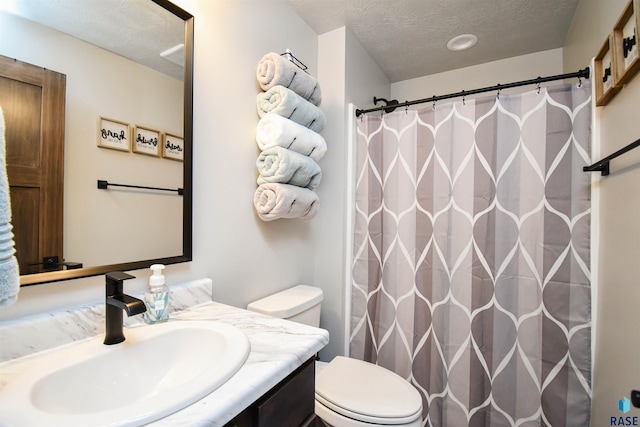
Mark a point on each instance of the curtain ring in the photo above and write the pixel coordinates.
(406, 108)
(579, 82)
(538, 86)
(433, 106)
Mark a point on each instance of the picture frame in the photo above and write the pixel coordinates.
(146, 141)
(625, 40)
(114, 134)
(173, 147)
(605, 73)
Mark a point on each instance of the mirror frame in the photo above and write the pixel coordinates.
(187, 217)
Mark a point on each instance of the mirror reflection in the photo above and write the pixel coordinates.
(118, 71)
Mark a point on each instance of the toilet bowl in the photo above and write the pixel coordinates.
(349, 392)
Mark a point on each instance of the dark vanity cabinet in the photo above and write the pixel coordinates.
(288, 404)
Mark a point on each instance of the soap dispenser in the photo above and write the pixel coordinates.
(157, 297)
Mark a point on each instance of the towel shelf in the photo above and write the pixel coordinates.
(103, 185)
(603, 165)
(287, 54)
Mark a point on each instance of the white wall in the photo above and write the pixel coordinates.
(364, 77)
(100, 83)
(347, 74)
(616, 360)
(328, 231)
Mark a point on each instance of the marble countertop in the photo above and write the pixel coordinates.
(278, 347)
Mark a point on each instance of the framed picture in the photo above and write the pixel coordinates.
(173, 147)
(605, 74)
(625, 39)
(114, 134)
(146, 141)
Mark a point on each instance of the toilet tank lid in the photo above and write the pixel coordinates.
(289, 302)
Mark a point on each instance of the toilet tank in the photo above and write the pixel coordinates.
(299, 304)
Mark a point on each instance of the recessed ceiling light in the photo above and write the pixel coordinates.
(462, 42)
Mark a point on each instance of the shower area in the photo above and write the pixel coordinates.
(471, 254)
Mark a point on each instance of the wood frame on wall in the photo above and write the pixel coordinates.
(625, 41)
(114, 134)
(173, 147)
(605, 73)
(146, 141)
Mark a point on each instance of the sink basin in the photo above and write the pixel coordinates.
(158, 370)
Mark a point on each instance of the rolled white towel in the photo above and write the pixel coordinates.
(278, 164)
(286, 103)
(274, 69)
(273, 201)
(274, 130)
(9, 271)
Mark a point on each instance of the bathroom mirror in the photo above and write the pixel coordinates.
(114, 240)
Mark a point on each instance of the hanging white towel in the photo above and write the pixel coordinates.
(278, 164)
(286, 103)
(274, 130)
(273, 201)
(275, 69)
(9, 272)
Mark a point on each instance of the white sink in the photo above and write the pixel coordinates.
(158, 370)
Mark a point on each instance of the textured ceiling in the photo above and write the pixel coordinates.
(408, 38)
(136, 29)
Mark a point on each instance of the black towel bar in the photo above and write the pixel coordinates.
(603, 165)
(102, 185)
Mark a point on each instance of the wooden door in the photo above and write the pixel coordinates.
(33, 103)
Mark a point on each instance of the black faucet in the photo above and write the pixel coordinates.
(116, 302)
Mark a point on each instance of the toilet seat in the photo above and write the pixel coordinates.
(366, 392)
(334, 419)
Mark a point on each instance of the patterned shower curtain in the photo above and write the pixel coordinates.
(471, 256)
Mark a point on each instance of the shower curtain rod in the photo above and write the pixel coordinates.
(392, 105)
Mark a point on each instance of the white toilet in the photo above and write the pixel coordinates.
(349, 392)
